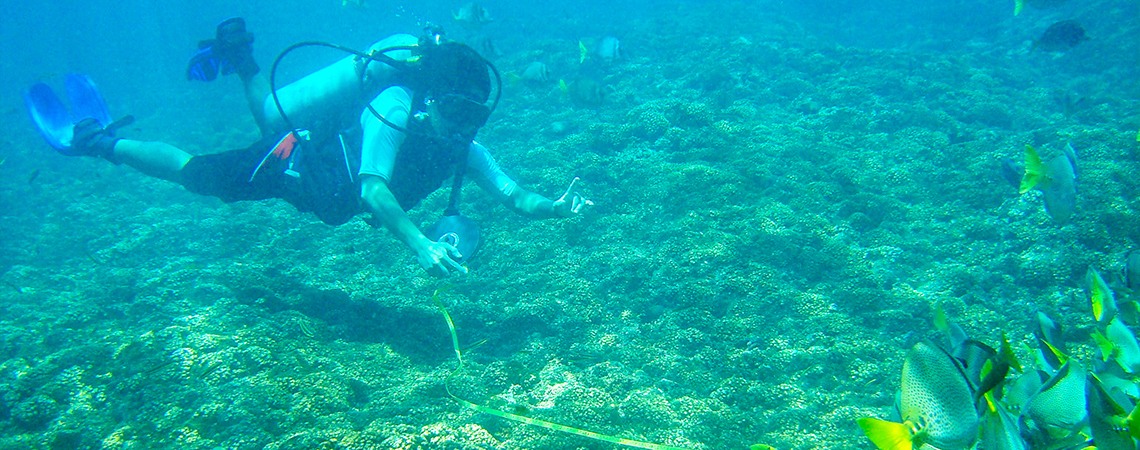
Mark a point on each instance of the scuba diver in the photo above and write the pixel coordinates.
(374, 132)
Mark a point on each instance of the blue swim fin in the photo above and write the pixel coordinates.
(204, 65)
(85, 100)
(52, 118)
(50, 115)
(230, 51)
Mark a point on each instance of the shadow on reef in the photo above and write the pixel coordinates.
(419, 334)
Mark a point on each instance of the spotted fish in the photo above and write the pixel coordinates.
(936, 404)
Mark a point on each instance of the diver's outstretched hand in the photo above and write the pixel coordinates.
(439, 259)
(571, 203)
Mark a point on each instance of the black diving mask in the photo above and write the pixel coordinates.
(463, 111)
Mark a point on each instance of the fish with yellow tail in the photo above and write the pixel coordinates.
(936, 404)
(1109, 423)
(1057, 180)
(1119, 344)
(1100, 296)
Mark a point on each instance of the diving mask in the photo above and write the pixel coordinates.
(461, 110)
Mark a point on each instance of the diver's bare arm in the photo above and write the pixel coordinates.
(437, 258)
(530, 204)
(533, 205)
(381, 203)
(523, 202)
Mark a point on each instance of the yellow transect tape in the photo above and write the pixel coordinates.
(524, 419)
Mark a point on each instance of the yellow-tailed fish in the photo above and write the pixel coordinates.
(936, 405)
(1056, 180)
(1125, 348)
(582, 52)
(1106, 419)
(1107, 349)
(1018, 5)
(1034, 170)
(1100, 295)
(1060, 403)
(954, 333)
(992, 374)
(890, 435)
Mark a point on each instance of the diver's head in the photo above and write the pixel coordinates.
(456, 87)
(453, 115)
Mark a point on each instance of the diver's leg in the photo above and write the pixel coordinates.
(156, 159)
(159, 160)
(256, 94)
(231, 51)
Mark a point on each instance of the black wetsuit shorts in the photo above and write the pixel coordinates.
(317, 176)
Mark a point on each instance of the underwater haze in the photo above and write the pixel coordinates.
(784, 193)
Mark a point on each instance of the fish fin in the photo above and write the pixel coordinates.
(1005, 353)
(887, 435)
(1107, 348)
(563, 87)
(582, 52)
(941, 323)
(1018, 5)
(1034, 170)
(512, 78)
(1061, 358)
(1132, 422)
(991, 403)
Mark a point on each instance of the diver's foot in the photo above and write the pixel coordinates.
(91, 139)
(231, 51)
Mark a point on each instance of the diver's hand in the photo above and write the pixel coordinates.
(438, 259)
(571, 203)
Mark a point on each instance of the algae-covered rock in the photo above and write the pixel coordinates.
(34, 413)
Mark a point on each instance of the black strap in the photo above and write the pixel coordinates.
(457, 183)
